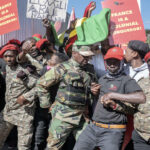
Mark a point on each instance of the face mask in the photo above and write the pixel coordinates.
(120, 70)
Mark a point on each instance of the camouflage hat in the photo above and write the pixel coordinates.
(83, 50)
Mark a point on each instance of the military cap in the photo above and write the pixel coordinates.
(83, 50)
(139, 46)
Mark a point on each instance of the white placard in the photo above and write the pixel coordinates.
(54, 10)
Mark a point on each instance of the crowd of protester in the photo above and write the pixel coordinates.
(80, 97)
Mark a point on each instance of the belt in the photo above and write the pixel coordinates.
(111, 126)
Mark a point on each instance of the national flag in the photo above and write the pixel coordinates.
(94, 29)
(72, 17)
(57, 25)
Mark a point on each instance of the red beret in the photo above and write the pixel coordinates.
(147, 57)
(10, 47)
(115, 52)
(37, 36)
(40, 43)
(14, 41)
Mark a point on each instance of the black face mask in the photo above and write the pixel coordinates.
(118, 73)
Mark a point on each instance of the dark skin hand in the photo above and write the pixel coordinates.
(91, 9)
(26, 47)
(86, 115)
(109, 103)
(133, 98)
(21, 100)
(46, 23)
(95, 88)
(49, 33)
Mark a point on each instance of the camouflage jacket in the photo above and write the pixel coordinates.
(67, 104)
(38, 63)
(141, 112)
(15, 87)
(142, 117)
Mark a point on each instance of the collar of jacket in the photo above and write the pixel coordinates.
(74, 63)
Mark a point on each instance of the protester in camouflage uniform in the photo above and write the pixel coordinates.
(73, 93)
(42, 115)
(30, 53)
(142, 120)
(20, 81)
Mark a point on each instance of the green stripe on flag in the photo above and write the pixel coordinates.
(94, 29)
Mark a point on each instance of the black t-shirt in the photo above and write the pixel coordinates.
(123, 85)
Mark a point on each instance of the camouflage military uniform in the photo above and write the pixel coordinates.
(141, 112)
(15, 114)
(38, 62)
(142, 117)
(67, 111)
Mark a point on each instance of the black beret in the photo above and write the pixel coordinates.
(139, 46)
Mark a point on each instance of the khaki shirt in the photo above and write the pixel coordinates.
(15, 87)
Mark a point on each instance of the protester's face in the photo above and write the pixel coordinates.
(33, 51)
(10, 57)
(82, 60)
(128, 55)
(53, 61)
(113, 65)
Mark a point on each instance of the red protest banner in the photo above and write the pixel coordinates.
(126, 22)
(9, 20)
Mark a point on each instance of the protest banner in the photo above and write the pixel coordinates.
(54, 10)
(9, 20)
(126, 22)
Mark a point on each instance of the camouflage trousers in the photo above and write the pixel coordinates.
(24, 134)
(60, 130)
